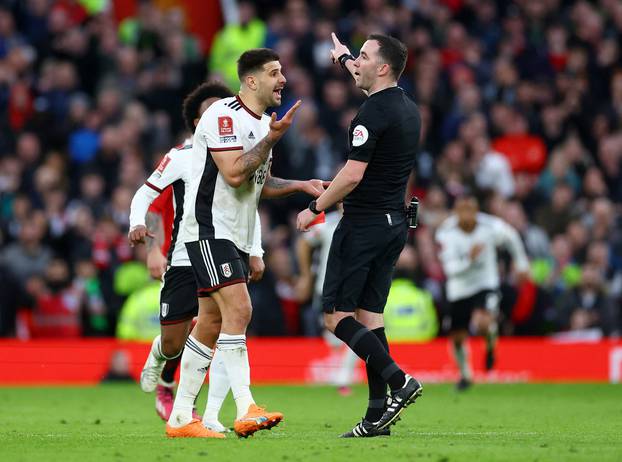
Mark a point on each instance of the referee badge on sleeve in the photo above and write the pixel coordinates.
(164, 309)
(225, 268)
(359, 135)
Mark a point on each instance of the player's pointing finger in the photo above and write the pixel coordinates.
(293, 109)
(296, 106)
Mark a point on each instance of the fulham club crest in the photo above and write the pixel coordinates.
(225, 269)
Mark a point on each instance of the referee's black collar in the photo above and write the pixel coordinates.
(385, 89)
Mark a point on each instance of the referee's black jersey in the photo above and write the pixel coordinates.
(385, 134)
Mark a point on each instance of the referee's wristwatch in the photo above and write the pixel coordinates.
(344, 58)
(313, 208)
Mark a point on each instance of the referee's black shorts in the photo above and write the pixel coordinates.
(360, 265)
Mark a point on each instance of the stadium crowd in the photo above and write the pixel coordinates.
(521, 101)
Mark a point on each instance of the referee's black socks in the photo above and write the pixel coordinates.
(370, 349)
(376, 384)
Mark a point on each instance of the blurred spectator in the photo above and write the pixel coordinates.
(12, 298)
(244, 32)
(434, 208)
(309, 149)
(535, 239)
(589, 306)
(28, 256)
(558, 171)
(140, 315)
(555, 216)
(492, 170)
(409, 314)
(66, 307)
(559, 272)
(280, 263)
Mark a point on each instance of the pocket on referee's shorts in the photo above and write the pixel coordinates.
(340, 239)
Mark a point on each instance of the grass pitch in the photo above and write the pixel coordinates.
(579, 422)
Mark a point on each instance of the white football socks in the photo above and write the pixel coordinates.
(218, 389)
(232, 349)
(195, 362)
(156, 349)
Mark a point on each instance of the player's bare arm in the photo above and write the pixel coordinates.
(344, 183)
(238, 166)
(156, 262)
(278, 187)
(153, 221)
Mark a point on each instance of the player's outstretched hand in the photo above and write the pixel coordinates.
(314, 188)
(257, 267)
(137, 235)
(279, 127)
(339, 48)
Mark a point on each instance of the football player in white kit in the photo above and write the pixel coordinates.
(169, 261)
(231, 159)
(468, 241)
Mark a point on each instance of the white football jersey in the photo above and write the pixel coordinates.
(216, 210)
(174, 170)
(466, 277)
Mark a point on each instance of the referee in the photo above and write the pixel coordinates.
(384, 138)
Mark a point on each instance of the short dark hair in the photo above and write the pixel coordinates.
(192, 103)
(252, 60)
(392, 51)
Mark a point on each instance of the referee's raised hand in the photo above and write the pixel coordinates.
(340, 48)
(279, 127)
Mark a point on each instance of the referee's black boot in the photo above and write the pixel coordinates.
(400, 399)
(366, 429)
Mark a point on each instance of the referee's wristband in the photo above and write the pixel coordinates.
(344, 58)
(313, 208)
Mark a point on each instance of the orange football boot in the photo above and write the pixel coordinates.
(195, 429)
(257, 418)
